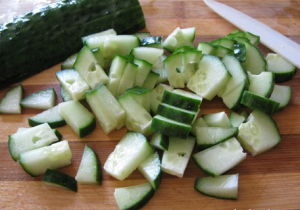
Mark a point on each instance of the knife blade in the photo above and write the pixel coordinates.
(277, 42)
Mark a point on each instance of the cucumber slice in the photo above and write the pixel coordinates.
(259, 133)
(189, 33)
(182, 99)
(29, 139)
(177, 39)
(254, 101)
(69, 62)
(96, 39)
(210, 78)
(141, 95)
(261, 84)
(73, 83)
(224, 42)
(190, 60)
(149, 54)
(61, 180)
(64, 94)
(142, 72)
(210, 136)
(36, 162)
(128, 154)
(255, 62)
(177, 114)
(197, 124)
(44, 99)
(220, 158)
(10, 103)
(50, 116)
(218, 119)
(175, 77)
(170, 127)
(233, 99)
(160, 141)
(77, 117)
(151, 169)
(89, 171)
(87, 66)
(175, 159)
(236, 119)
(115, 73)
(127, 80)
(224, 186)
(56, 132)
(106, 108)
(133, 197)
(206, 48)
(282, 69)
(156, 96)
(142, 35)
(253, 39)
(152, 41)
(151, 80)
(99, 57)
(282, 94)
(137, 117)
(158, 67)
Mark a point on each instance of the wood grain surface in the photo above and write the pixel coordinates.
(267, 181)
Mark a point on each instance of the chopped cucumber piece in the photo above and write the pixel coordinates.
(141, 95)
(69, 62)
(175, 77)
(255, 62)
(220, 158)
(29, 139)
(210, 136)
(61, 180)
(89, 171)
(149, 54)
(224, 42)
(182, 99)
(282, 69)
(236, 119)
(44, 99)
(137, 117)
(259, 133)
(142, 72)
(282, 94)
(106, 108)
(115, 73)
(218, 119)
(254, 101)
(177, 114)
(177, 39)
(142, 35)
(160, 141)
(197, 124)
(133, 197)
(206, 48)
(176, 158)
(77, 117)
(73, 83)
(189, 33)
(261, 84)
(10, 103)
(210, 78)
(170, 127)
(36, 162)
(158, 67)
(151, 169)
(87, 66)
(64, 94)
(128, 154)
(224, 186)
(156, 96)
(252, 38)
(151, 80)
(96, 39)
(50, 116)
(127, 80)
(233, 99)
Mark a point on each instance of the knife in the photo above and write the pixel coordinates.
(272, 39)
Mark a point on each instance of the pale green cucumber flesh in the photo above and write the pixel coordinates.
(10, 103)
(44, 99)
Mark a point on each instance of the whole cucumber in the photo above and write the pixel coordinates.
(47, 35)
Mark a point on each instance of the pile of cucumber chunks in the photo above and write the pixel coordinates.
(126, 81)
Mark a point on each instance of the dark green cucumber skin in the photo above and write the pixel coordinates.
(60, 179)
(254, 101)
(47, 35)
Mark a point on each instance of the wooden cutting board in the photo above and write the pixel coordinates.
(267, 181)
